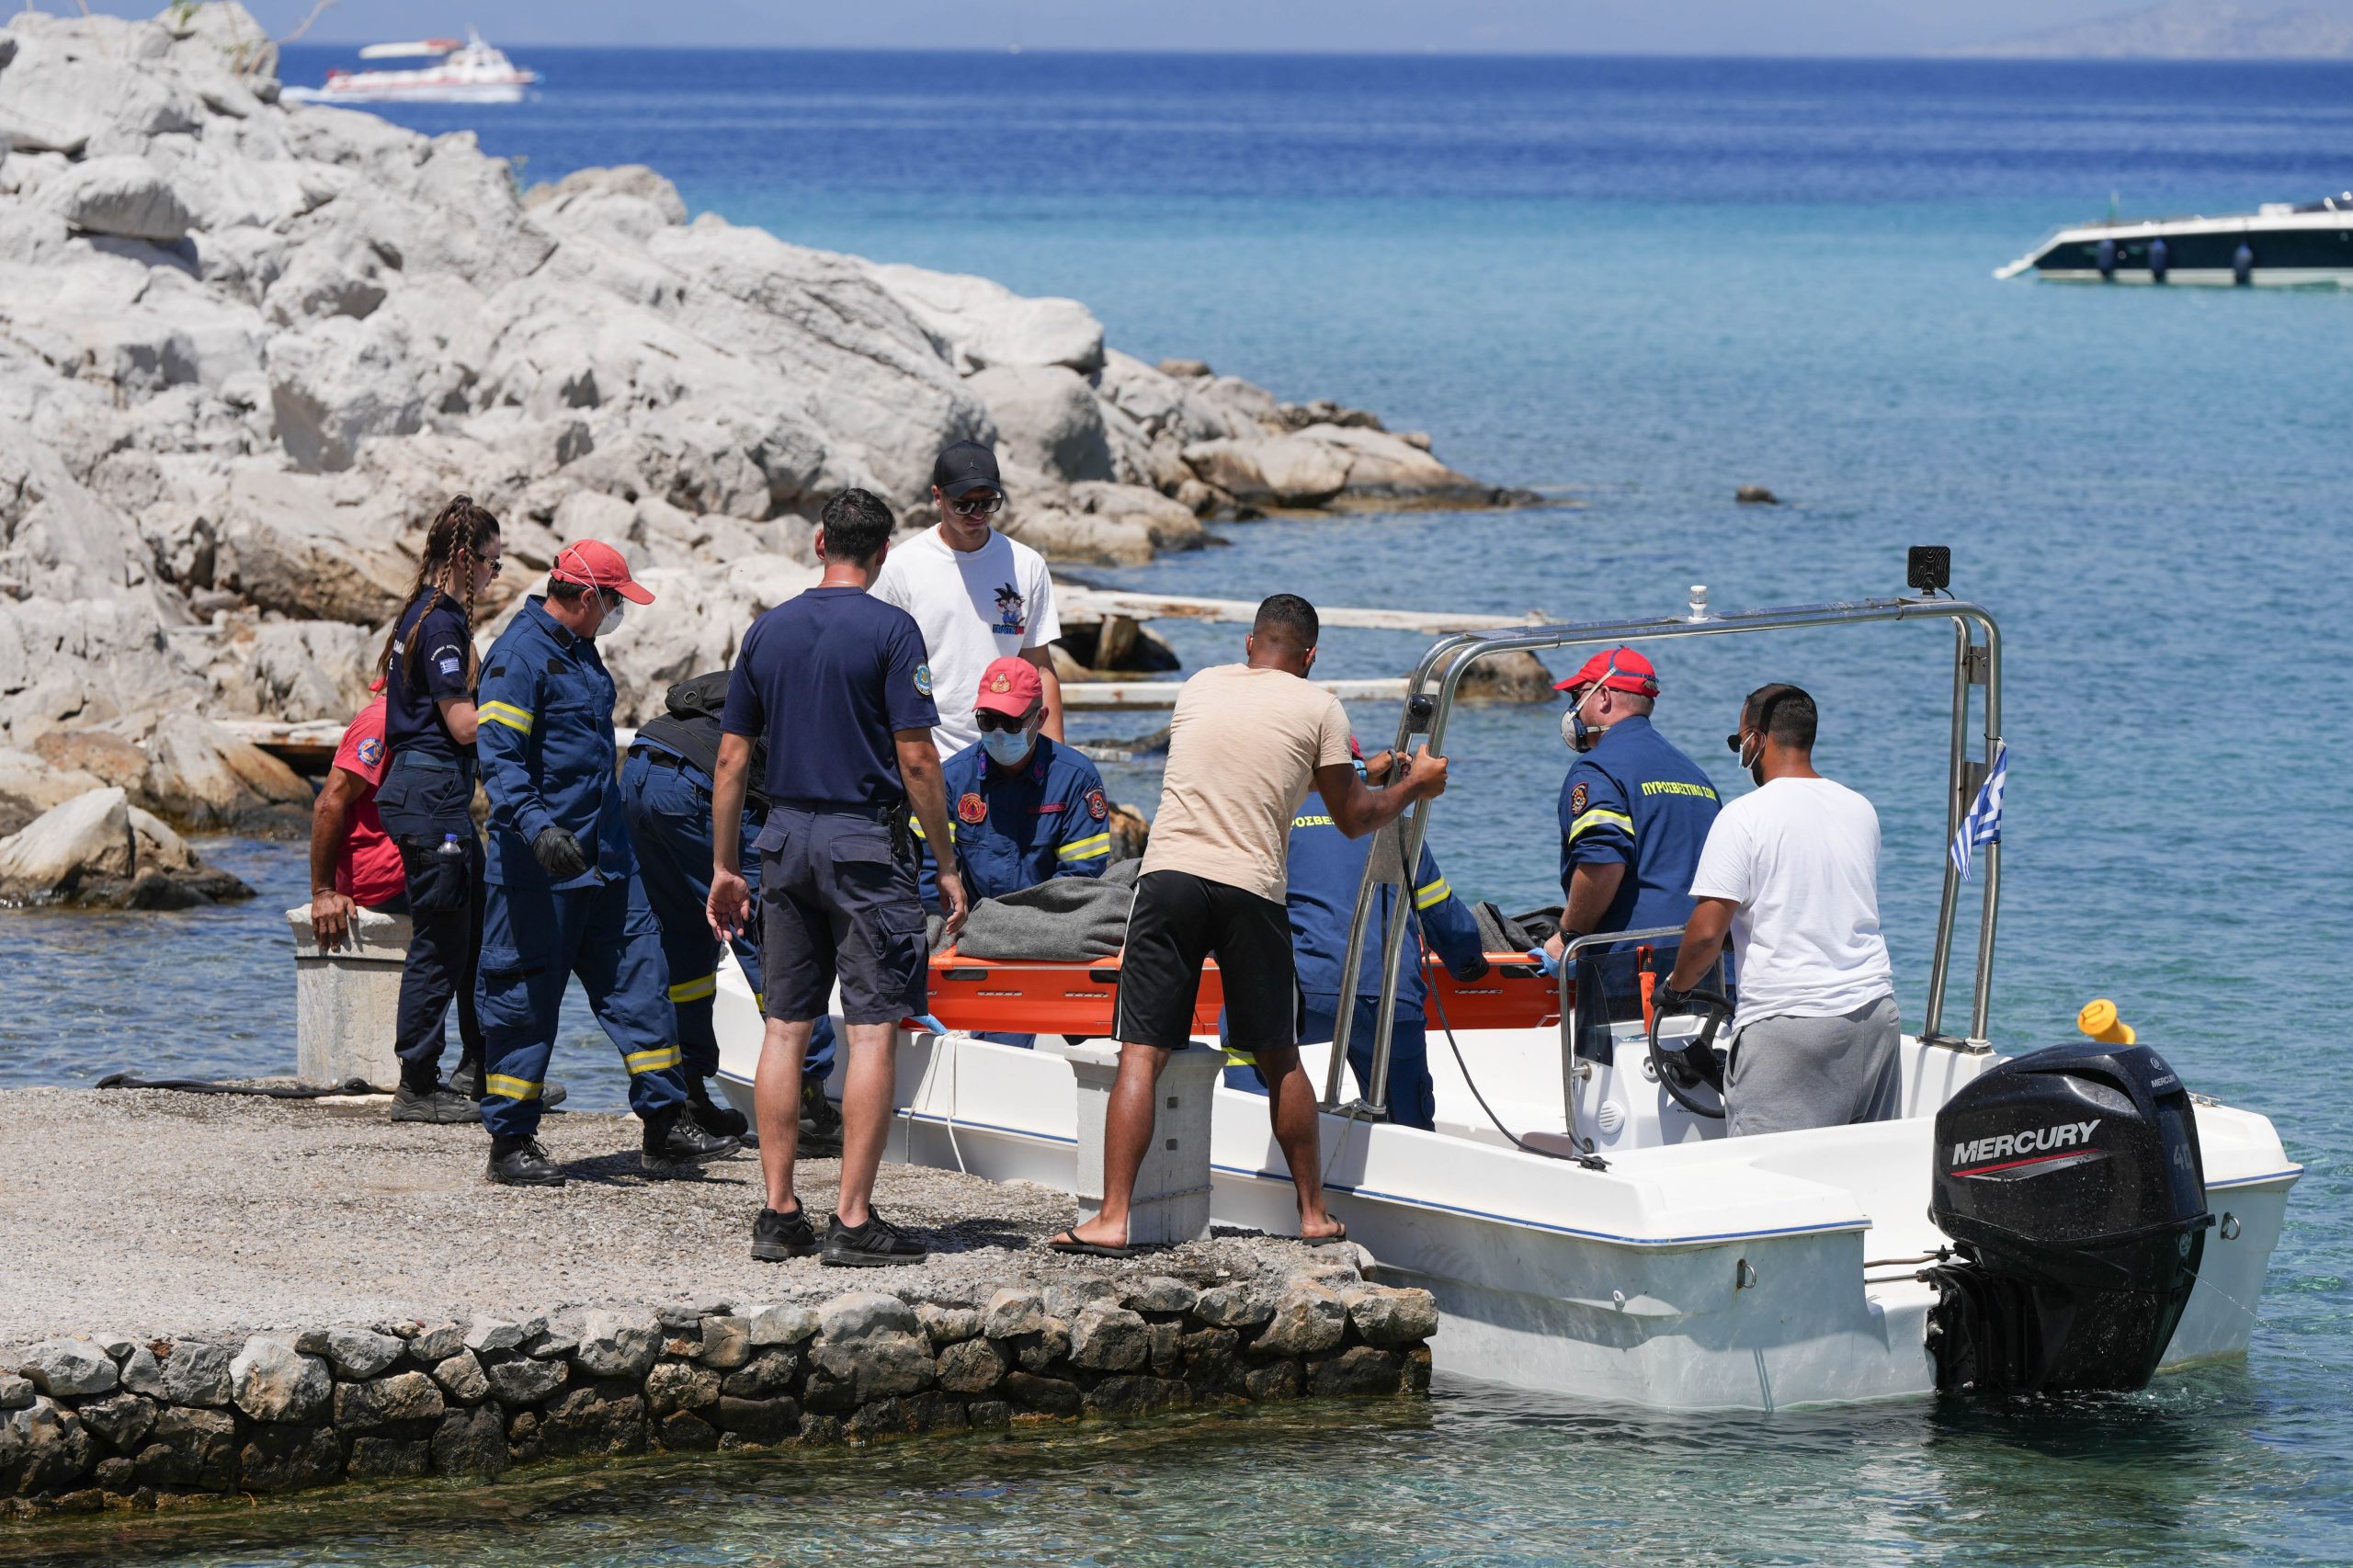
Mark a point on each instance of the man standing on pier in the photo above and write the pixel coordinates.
(565, 896)
(1246, 743)
(977, 596)
(836, 681)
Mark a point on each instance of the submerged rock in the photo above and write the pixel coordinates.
(100, 851)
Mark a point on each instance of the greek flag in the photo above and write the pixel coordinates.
(1982, 825)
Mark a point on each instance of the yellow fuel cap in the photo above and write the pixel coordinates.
(2098, 1021)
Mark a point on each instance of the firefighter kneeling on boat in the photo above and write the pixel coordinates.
(1326, 867)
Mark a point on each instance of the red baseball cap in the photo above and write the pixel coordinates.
(1620, 669)
(1010, 686)
(593, 563)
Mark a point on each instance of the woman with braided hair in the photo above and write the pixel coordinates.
(429, 671)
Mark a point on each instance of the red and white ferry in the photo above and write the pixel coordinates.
(468, 73)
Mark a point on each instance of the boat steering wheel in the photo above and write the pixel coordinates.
(1681, 1071)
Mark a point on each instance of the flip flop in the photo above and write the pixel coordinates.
(1333, 1240)
(1069, 1241)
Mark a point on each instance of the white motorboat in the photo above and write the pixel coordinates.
(1614, 1244)
(468, 73)
(2279, 244)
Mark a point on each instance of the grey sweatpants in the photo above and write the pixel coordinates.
(1792, 1072)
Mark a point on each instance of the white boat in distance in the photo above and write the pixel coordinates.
(468, 73)
(2279, 244)
(2071, 1219)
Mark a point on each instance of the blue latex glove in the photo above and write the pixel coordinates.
(1543, 961)
(933, 1024)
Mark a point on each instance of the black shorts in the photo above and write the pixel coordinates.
(1177, 920)
(838, 902)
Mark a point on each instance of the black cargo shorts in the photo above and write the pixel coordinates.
(839, 901)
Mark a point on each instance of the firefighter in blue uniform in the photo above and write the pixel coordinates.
(665, 792)
(563, 896)
(1326, 869)
(1024, 808)
(1635, 811)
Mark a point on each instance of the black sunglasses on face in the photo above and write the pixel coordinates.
(977, 506)
(1732, 745)
(990, 718)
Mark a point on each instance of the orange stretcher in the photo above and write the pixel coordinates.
(1039, 996)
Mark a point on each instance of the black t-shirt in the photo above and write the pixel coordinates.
(420, 675)
(826, 678)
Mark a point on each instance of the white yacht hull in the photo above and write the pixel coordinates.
(1695, 1273)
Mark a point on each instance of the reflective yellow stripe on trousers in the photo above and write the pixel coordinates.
(510, 1088)
(652, 1061)
(694, 990)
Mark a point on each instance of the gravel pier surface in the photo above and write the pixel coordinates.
(153, 1212)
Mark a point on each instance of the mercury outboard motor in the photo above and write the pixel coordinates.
(2071, 1184)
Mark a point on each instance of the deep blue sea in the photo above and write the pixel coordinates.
(1634, 284)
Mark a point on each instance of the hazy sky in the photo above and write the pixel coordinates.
(1661, 27)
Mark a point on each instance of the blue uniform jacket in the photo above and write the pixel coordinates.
(1326, 867)
(546, 748)
(1635, 799)
(1049, 818)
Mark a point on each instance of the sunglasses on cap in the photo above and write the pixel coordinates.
(977, 506)
(990, 718)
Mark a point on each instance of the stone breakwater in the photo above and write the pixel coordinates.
(248, 348)
(104, 1421)
(321, 1295)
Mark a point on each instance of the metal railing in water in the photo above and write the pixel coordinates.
(1429, 702)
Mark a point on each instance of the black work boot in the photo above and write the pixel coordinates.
(674, 1144)
(520, 1162)
(820, 1124)
(424, 1098)
(776, 1237)
(878, 1244)
(718, 1120)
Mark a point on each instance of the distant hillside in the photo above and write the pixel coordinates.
(2186, 29)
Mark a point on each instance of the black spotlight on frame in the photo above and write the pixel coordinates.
(1929, 567)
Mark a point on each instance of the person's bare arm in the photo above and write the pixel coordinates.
(729, 905)
(1044, 659)
(1592, 888)
(330, 826)
(458, 712)
(1703, 940)
(1358, 809)
(927, 791)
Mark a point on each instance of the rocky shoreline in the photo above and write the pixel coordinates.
(318, 1296)
(247, 347)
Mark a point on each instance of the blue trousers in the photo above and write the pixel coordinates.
(533, 938)
(423, 799)
(1413, 1100)
(669, 823)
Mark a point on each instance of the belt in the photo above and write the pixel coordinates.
(871, 810)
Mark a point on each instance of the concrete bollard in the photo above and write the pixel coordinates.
(347, 1001)
(1172, 1197)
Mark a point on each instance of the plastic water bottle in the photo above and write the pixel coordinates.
(451, 847)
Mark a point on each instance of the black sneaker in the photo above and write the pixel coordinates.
(439, 1105)
(520, 1162)
(675, 1144)
(776, 1237)
(820, 1123)
(718, 1120)
(467, 1081)
(878, 1244)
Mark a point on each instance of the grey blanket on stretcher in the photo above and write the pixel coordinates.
(1064, 920)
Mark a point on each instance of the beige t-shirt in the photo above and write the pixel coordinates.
(1244, 747)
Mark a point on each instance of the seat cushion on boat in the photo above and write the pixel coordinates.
(1064, 919)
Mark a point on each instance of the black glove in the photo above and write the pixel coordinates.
(559, 854)
(1666, 999)
(1476, 970)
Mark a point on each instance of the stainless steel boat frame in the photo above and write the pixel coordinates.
(1430, 694)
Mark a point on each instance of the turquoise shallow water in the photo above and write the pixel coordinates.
(1645, 282)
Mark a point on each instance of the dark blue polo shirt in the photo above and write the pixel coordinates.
(420, 675)
(826, 677)
(1636, 800)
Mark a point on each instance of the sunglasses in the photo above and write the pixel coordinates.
(990, 718)
(977, 506)
(1732, 743)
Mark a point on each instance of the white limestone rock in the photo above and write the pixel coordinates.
(983, 322)
(122, 195)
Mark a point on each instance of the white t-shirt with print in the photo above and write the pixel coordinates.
(975, 607)
(1800, 858)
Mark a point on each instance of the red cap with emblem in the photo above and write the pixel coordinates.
(593, 563)
(1010, 686)
(1620, 669)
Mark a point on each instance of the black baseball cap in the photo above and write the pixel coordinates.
(964, 467)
